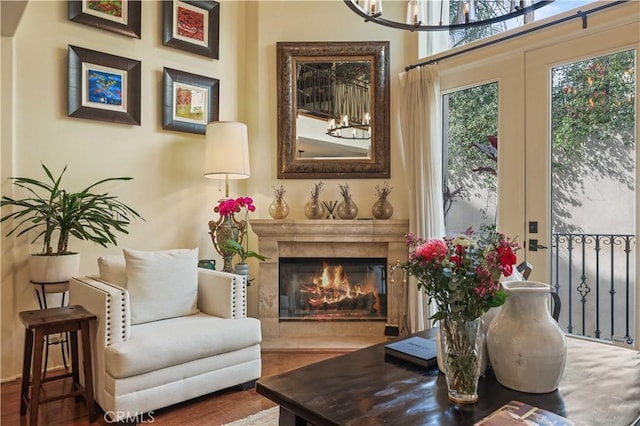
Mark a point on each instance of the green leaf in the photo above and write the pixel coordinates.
(84, 215)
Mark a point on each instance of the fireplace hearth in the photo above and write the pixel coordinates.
(332, 289)
(326, 240)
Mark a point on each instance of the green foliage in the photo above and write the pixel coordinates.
(593, 125)
(84, 215)
(593, 129)
(472, 117)
(236, 248)
(484, 10)
(461, 274)
(592, 99)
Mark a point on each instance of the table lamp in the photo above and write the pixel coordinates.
(227, 153)
(227, 156)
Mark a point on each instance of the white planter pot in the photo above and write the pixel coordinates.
(527, 348)
(53, 269)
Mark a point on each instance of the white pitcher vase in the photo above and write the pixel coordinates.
(527, 349)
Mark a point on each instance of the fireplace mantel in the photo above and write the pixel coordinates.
(320, 229)
(317, 238)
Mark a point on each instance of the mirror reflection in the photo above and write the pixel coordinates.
(333, 109)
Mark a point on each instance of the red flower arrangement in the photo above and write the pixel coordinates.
(462, 274)
(232, 206)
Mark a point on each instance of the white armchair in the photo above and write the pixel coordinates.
(142, 363)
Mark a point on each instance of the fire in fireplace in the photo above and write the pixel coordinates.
(333, 289)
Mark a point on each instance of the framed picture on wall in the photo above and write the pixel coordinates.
(118, 16)
(103, 87)
(189, 101)
(193, 26)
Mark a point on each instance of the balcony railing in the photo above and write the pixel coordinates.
(594, 275)
(323, 94)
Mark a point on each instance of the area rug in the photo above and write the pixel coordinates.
(263, 418)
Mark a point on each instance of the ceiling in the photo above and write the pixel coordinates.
(11, 13)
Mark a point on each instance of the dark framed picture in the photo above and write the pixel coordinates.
(118, 16)
(103, 87)
(189, 101)
(193, 26)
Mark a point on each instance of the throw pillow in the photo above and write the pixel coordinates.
(113, 269)
(162, 284)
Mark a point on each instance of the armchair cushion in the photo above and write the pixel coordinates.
(113, 269)
(162, 284)
(166, 343)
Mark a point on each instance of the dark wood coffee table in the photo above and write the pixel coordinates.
(600, 385)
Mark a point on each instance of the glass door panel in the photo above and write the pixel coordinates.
(581, 180)
(470, 139)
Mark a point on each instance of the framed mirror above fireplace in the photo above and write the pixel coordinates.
(333, 110)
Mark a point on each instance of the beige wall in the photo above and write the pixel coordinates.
(168, 189)
(313, 21)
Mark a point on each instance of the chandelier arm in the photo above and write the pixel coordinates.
(378, 19)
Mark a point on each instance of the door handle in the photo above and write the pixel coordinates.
(534, 246)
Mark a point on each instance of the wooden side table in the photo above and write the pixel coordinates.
(42, 289)
(41, 323)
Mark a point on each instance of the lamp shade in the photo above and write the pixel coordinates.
(227, 153)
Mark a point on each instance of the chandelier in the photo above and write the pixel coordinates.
(371, 10)
(350, 130)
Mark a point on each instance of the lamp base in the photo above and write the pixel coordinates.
(226, 228)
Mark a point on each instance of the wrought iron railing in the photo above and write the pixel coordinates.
(594, 275)
(323, 94)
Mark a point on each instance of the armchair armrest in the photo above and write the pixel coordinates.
(109, 302)
(222, 294)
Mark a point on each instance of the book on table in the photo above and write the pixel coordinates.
(416, 350)
(519, 413)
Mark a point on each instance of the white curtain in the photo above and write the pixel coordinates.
(420, 122)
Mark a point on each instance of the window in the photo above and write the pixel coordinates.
(470, 138)
(488, 9)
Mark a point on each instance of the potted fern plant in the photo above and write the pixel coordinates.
(52, 211)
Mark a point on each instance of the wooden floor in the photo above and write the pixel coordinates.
(213, 409)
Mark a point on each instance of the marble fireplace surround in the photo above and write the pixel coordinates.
(323, 238)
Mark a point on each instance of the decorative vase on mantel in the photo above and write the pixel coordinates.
(527, 347)
(347, 208)
(314, 209)
(382, 208)
(278, 209)
(461, 346)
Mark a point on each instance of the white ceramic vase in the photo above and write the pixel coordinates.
(527, 349)
(488, 318)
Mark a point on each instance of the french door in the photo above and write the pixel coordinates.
(567, 127)
(580, 179)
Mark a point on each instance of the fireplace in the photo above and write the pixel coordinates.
(380, 241)
(330, 289)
